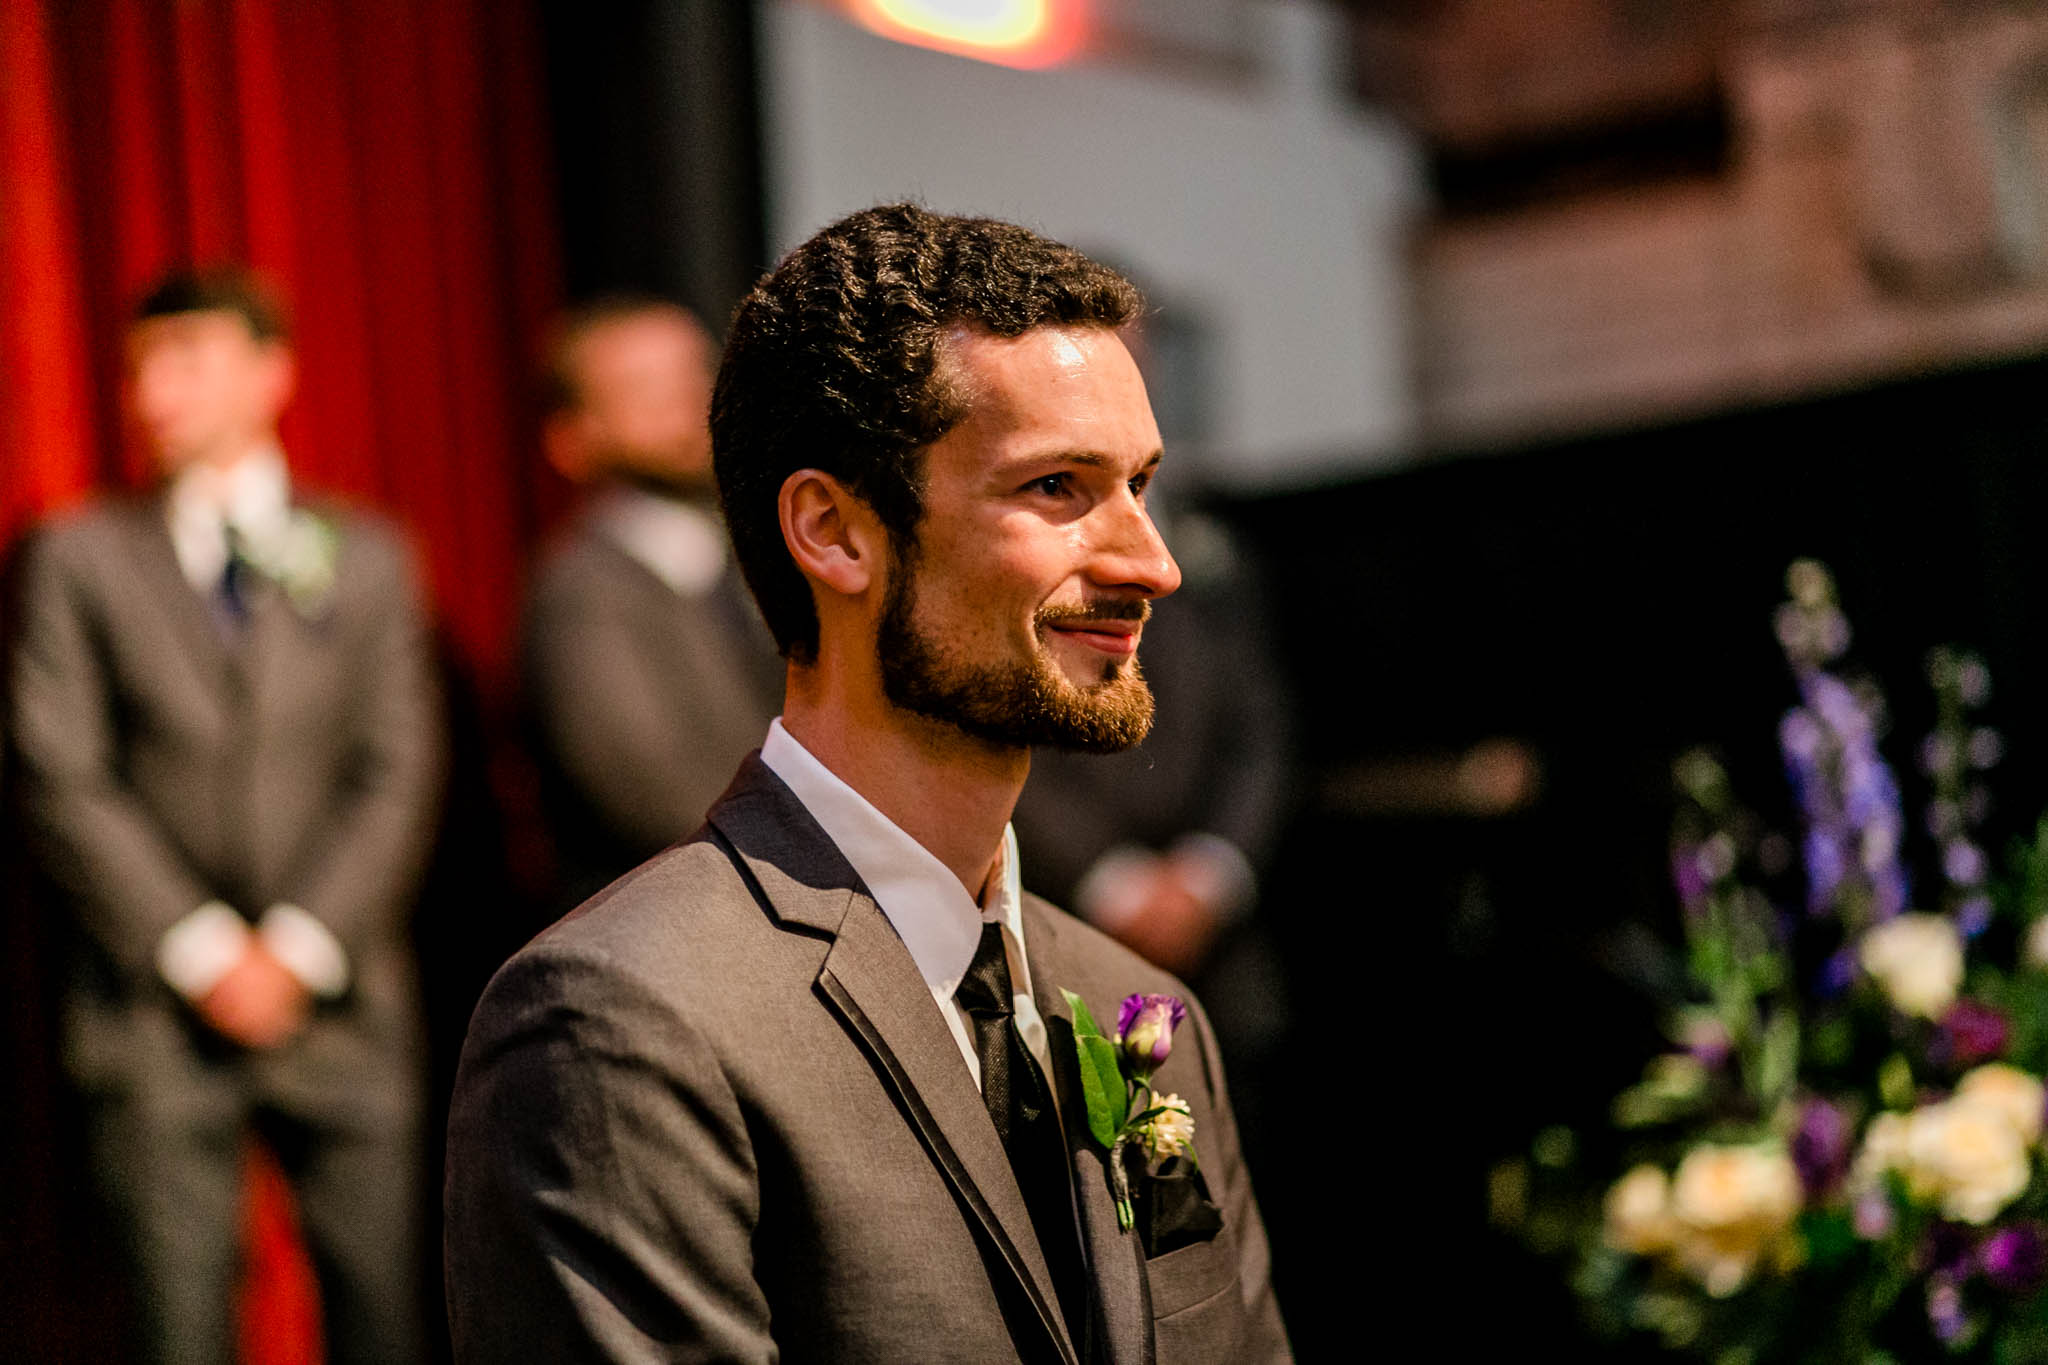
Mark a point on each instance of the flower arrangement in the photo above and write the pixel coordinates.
(1840, 1157)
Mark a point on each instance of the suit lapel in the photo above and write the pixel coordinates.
(1123, 1303)
(871, 983)
(157, 567)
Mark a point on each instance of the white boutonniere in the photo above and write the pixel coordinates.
(1124, 1111)
(299, 555)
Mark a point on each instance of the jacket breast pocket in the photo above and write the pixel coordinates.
(1190, 1276)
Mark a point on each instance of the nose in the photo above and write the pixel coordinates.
(1131, 555)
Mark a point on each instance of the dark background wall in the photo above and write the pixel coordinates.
(1608, 601)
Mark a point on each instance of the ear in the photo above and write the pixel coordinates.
(280, 377)
(833, 536)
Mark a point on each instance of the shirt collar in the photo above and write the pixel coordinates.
(924, 902)
(673, 539)
(253, 495)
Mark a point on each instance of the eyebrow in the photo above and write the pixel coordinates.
(1090, 458)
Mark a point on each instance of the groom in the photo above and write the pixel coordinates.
(804, 1086)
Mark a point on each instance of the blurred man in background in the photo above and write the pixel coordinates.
(228, 733)
(648, 674)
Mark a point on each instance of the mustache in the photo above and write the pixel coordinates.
(1136, 609)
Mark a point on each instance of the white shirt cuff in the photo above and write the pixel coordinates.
(1217, 873)
(308, 949)
(200, 949)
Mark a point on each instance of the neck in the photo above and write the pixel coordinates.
(947, 790)
(225, 458)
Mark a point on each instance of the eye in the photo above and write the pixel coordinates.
(1052, 485)
(1140, 483)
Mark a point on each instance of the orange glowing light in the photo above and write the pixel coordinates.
(1027, 33)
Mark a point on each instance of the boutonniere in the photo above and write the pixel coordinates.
(299, 556)
(1116, 1083)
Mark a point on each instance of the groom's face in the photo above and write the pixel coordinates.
(1017, 613)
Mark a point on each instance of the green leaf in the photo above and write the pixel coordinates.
(1777, 1060)
(1084, 1022)
(1102, 1087)
(1102, 1075)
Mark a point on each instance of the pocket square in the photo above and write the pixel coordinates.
(1173, 1208)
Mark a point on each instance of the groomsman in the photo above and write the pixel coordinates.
(229, 742)
(648, 674)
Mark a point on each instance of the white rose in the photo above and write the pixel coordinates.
(1732, 1204)
(2010, 1091)
(1966, 1157)
(1917, 959)
(1638, 1212)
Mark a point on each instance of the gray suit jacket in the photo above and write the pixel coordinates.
(640, 702)
(162, 765)
(715, 1114)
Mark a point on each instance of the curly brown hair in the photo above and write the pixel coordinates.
(834, 363)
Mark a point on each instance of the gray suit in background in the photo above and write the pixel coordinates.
(716, 1114)
(165, 762)
(640, 701)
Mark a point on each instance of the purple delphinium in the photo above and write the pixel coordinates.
(1945, 1309)
(1973, 916)
(1873, 1216)
(1837, 974)
(1820, 1146)
(2015, 1258)
(1144, 1029)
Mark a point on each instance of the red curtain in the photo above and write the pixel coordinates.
(386, 163)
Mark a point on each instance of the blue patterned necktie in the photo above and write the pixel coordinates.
(231, 594)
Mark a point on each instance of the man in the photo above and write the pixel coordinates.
(228, 736)
(648, 675)
(805, 1087)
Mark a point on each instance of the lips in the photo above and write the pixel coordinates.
(1117, 639)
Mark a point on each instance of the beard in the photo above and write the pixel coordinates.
(1017, 703)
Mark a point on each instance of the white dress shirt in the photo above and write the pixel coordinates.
(938, 921)
(252, 495)
(679, 543)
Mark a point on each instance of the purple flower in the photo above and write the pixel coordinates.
(1945, 1309)
(1837, 974)
(1973, 916)
(1799, 734)
(1872, 1215)
(1144, 1029)
(1820, 1147)
(1687, 876)
(2015, 1258)
(1972, 1032)
(1962, 863)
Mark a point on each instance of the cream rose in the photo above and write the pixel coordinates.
(2010, 1091)
(1884, 1149)
(1966, 1157)
(1638, 1212)
(1731, 1206)
(1917, 959)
